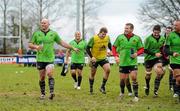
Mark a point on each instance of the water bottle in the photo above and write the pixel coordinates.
(131, 52)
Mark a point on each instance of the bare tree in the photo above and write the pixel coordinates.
(4, 7)
(162, 12)
(88, 15)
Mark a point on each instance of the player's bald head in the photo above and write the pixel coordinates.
(45, 20)
(44, 24)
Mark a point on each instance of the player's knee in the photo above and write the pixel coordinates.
(148, 74)
(42, 78)
(49, 68)
(73, 72)
(107, 71)
(134, 79)
(159, 70)
(178, 79)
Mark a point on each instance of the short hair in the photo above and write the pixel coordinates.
(131, 25)
(177, 20)
(103, 29)
(169, 27)
(157, 27)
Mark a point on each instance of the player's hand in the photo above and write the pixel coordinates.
(134, 55)
(117, 59)
(109, 54)
(39, 47)
(158, 54)
(75, 49)
(176, 54)
(93, 59)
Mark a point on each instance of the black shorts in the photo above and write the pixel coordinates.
(150, 63)
(165, 62)
(42, 65)
(77, 66)
(101, 63)
(175, 66)
(127, 69)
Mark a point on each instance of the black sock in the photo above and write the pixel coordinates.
(175, 87)
(91, 82)
(128, 85)
(147, 82)
(122, 85)
(74, 77)
(51, 85)
(135, 88)
(103, 83)
(79, 80)
(42, 87)
(156, 84)
(178, 90)
(170, 80)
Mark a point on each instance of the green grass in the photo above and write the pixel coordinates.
(20, 92)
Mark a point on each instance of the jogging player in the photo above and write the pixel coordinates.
(77, 59)
(129, 46)
(172, 48)
(43, 41)
(97, 50)
(154, 59)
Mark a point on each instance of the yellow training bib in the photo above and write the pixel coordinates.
(99, 49)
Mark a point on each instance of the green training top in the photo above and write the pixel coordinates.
(173, 40)
(78, 57)
(126, 47)
(47, 40)
(153, 45)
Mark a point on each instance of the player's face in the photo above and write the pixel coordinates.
(168, 31)
(156, 33)
(78, 36)
(127, 29)
(44, 24)
(102, 34)
(177, 26)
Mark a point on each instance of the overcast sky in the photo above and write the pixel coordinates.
(113, 15)
(116, 13)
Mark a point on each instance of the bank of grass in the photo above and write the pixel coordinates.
(19, 91)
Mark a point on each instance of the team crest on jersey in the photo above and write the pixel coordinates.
(134, 41)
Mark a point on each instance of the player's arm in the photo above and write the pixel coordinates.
(66, 45)
(68, 53)
(89, 46)
(167, 48)
(140, 49)
(146, 47)
(88, 49)
(32, 42)
(169, 52)
(114, 50)
(34, 46)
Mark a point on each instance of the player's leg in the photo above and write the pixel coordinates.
(128, 86)
(106, 68)
(160, 71)
(49, 71)
(133, 75)
(92, 75)
(42, 75)
(148, 68)
(124, 73)
(176, 72)
(79, 71)
(170, 79)
(73, 74)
